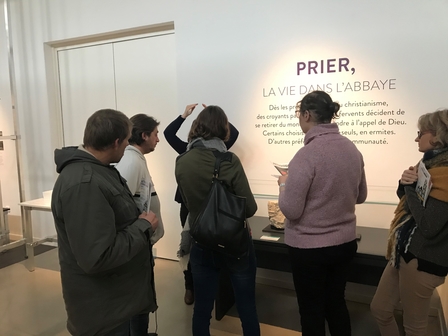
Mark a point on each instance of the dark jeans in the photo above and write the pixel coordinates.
(320, 276)
(136, 326)
(206, 266)
(187, 273)
(139, 325)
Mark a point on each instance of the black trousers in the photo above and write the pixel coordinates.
(320, 276)
(188, 276)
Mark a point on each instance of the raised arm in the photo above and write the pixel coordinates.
(170, 131)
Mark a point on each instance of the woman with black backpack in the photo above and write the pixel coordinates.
(194, 172)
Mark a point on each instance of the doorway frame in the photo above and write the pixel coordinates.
(52, 69)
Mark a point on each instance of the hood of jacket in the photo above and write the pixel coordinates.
(67, 155)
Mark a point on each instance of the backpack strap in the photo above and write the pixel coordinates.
(220, 156)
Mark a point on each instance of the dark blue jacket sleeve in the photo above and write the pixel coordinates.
(170, 135)
(233, 136)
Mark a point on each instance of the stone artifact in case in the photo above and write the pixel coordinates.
(276, 217)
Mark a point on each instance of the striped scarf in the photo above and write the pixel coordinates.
(436, 161)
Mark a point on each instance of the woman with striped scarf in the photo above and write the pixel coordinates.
(418, 238)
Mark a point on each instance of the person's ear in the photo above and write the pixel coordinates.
(307, 115)
(117, 143)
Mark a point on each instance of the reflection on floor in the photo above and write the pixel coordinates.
(31, 304)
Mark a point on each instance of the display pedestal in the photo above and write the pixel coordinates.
(272, 229)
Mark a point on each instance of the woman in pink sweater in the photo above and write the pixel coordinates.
(326, 179)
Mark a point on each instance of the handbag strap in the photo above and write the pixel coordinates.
(220, 156)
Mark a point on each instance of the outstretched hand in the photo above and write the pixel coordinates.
(189, 110)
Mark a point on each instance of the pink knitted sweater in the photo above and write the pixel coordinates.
(326, 179)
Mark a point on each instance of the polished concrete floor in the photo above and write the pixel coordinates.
(31, 304)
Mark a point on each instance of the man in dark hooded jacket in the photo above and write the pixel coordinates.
(103, 240)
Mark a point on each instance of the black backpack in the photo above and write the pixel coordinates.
(221, 224)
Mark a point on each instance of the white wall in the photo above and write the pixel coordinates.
(232, 53)
(33, 24)
(237, 55)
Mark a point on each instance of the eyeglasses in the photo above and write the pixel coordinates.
(298, 113)
(420, 134)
